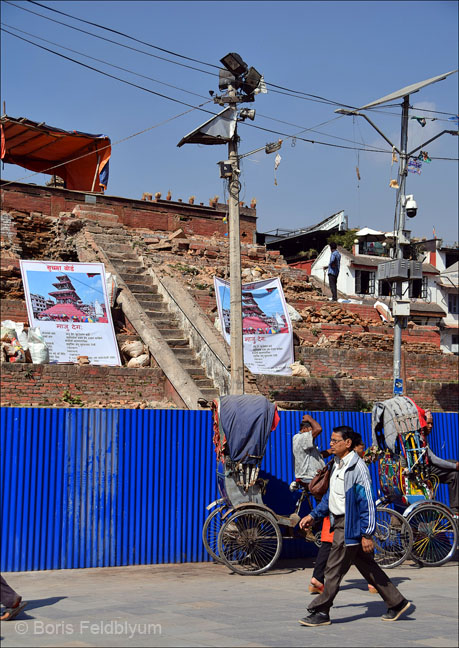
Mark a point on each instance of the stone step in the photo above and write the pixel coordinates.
(136, 278)
(204, 383)
(120, 257)
(164, 319)
(129, 266)
(159, 313)
(195, 371)
(151, 303)
(210, 394)
(169, 328)
(173, 335)
(186, 356)
(118, 249)
(177, 343)
(142, 291)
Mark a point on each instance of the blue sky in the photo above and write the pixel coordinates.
(349, 52)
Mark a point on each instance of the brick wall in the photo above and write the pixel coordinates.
(348, 395)
(161, 215)
(360, 363)
(26, 385)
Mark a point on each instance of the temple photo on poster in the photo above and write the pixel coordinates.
(262, 311)
(56, 296)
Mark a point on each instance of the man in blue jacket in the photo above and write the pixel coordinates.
(349, 502)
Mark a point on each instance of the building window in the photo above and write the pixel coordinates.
(364, 282)
(386, 288)
(453, 303)
(418, 288)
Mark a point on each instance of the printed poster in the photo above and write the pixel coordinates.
(69, 302)
(266, 326)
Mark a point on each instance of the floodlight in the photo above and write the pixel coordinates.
(225, 79)
(234, 64)
(251, 81)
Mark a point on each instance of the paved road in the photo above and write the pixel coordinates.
(206, 605)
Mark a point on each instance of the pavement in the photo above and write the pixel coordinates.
(204, 604)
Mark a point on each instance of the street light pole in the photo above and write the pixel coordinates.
(401, 215)
(236, 350)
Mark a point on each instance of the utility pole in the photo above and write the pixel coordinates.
(401, 214)
(237, 348)
(241, 84)
(401, 307)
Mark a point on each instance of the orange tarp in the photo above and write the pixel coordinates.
(38, 147)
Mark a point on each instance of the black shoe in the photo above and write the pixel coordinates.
(316, 619)
(395, 613)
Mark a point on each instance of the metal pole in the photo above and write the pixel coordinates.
(237, 352)
(400, 286)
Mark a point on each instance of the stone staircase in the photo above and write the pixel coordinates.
(130, 269)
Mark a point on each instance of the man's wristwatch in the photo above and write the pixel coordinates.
(367, 536)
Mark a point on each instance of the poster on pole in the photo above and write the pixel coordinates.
(266, 326)
(69, 302)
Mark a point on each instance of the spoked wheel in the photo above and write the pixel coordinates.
(249, 542)
(211, 529)
(434, 534)
(393, 538)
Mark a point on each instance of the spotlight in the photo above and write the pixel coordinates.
(234, 64)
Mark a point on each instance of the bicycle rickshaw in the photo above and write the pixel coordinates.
(407, 484)
(241, 531)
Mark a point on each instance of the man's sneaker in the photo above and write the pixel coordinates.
(395, 613)
(316, 619)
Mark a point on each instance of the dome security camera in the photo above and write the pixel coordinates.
(411, 206)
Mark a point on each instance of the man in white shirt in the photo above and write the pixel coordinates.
(349, 502)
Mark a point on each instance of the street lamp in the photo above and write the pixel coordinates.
(405, 206)
(219, 130)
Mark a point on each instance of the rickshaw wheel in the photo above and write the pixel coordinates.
(434, 534)
(211, 529)
(249, 542)
(393, 538)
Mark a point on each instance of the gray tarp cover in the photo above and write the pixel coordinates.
(247, 422)
(395, 415)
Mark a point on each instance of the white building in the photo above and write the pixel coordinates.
(434, 298)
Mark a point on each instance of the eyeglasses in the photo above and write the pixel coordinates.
(335, 441)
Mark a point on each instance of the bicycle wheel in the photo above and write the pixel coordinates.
(434, 534)
(211, 529)
(249, 542)
(393, 538)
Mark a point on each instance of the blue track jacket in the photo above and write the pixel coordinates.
(360, 506)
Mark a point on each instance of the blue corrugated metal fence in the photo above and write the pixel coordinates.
(95, 488)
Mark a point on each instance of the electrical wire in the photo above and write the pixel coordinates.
(280, 89)
(118, 67)
(135, 85)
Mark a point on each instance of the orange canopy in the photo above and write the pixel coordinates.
(38, 147)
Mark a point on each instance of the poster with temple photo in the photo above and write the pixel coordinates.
(69, 303)
(266, 326)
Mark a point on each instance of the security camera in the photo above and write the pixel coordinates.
(411, 207)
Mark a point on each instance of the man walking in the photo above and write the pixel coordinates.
(349, 502)
(333, 270)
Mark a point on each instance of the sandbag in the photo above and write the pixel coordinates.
(112, 287)
(139, 361)
(294, 314)
(39, 351)
(133, 348)
(8, 331)
(299, 370)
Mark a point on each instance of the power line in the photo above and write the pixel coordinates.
(304, 129)
(118, 67)
(135, 85)
(280, 89)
